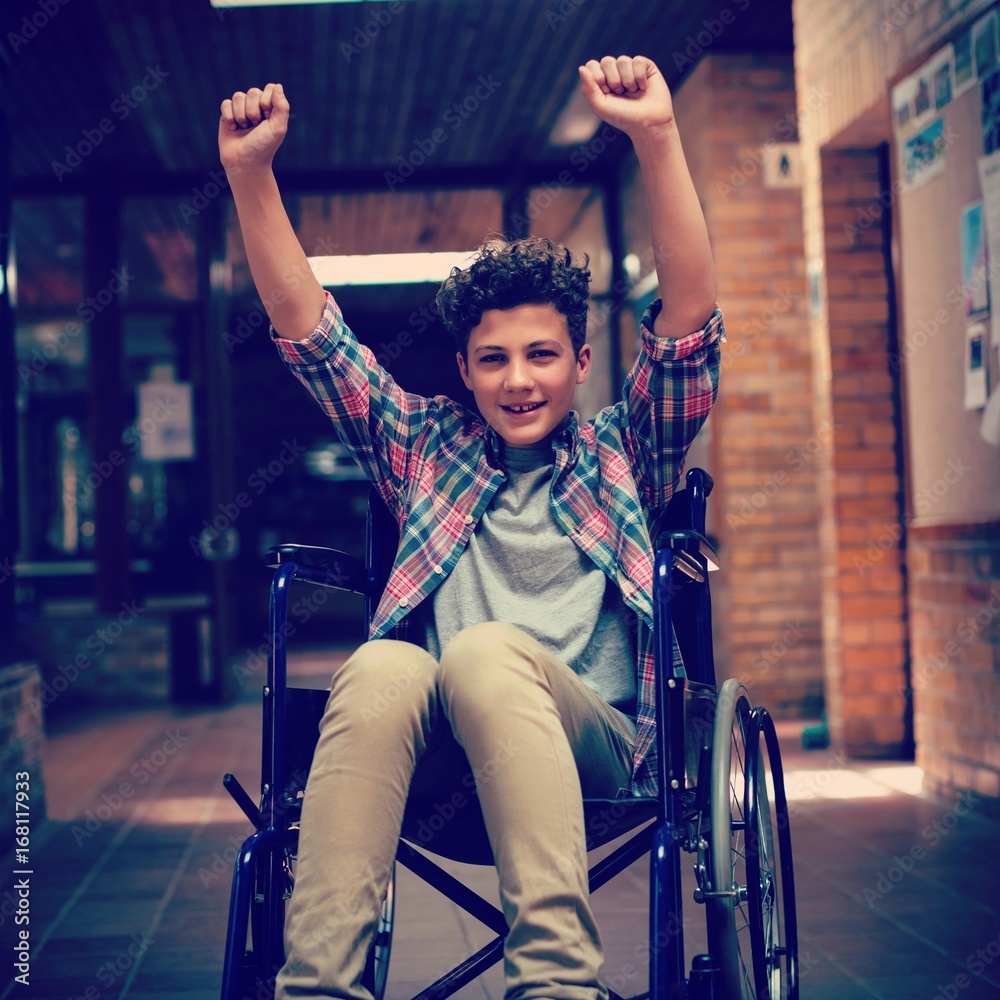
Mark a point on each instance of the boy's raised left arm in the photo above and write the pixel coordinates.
(630, 93)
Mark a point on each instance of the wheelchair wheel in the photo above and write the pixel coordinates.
(377, 967)
(770, 882)
(751, 911)
(258, 982)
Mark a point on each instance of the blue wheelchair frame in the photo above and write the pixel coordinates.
(684, 714)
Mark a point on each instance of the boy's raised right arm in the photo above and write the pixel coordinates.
(251, 128)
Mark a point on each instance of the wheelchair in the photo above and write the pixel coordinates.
(720, 799)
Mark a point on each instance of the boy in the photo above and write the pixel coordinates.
(524, 568)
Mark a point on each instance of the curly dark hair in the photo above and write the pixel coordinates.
(508, 273)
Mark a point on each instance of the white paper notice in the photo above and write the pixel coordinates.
(989, 426)
(976, 386)
(989, 181)
(166, 423)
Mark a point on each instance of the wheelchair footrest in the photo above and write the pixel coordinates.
(237, 791)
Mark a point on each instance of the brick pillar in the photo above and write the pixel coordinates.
(955, 624)
(863, 538)
(764, 444)
(763, 448)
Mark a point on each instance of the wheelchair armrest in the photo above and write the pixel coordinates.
(686, 544)
(322, 567)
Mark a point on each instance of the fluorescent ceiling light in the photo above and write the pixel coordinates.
(387, 268)
(644, 287)
(576, 124)
(226, 4)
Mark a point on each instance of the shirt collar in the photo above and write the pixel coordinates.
(494, 448)
(564, 439)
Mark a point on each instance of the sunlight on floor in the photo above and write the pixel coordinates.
(839, 781)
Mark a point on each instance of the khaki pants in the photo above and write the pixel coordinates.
(498, 717)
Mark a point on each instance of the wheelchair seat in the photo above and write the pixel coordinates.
(714, 797)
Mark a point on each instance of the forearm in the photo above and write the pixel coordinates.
(682, 252)
(294, 299)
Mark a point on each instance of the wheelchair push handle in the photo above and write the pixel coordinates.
(700, 483)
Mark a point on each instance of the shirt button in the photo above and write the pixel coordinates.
(468, 519)
(404, 603)
(438, 569)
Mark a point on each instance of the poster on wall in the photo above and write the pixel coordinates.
(962, 52)
(984, 44)
(990, 112)
(940, 73)
(924, 156)
(976, 387)
(989, 183)
(902, 105)
(974, 282)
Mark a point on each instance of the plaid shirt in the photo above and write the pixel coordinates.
(438, 466)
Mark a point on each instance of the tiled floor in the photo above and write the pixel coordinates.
(899, 894)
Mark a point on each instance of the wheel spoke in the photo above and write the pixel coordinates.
(755, 934)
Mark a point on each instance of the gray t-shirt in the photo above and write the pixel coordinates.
(520, 568)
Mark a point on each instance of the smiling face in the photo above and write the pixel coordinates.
(522, 370)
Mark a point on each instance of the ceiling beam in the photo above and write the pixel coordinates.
(576, 171)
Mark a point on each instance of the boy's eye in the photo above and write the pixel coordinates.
(542, 353)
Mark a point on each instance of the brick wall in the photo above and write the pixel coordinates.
(846, 52)
(764, 447)
(955, 629)
(864, 598)
(90, 659)
(21, 738)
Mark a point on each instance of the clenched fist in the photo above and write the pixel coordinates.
(628, 92)
(252, 126)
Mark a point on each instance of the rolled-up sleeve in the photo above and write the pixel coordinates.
(373, 416)
(668, 395)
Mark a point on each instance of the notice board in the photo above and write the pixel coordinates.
(946, 185)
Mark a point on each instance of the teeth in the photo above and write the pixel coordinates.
(524, 409)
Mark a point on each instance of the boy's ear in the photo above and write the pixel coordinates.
(583, 364)
(464, 371)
